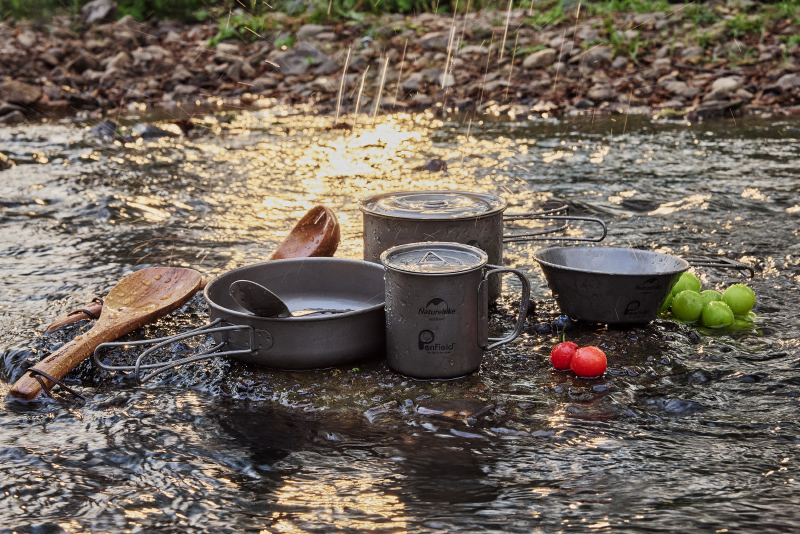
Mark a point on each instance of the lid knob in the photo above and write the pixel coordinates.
(432, 257)
(433, 204)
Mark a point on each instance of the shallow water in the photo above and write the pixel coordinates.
(690, 430)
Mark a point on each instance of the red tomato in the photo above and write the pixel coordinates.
(562, 354)
(589, 362)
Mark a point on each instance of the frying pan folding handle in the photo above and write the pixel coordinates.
(523, 309)
(721, 262)
(547, 235)
(254, 339)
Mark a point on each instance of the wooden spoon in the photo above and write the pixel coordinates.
(137, 299)
(315, 235)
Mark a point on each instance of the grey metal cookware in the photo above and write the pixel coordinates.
(616, 285)
(300, 342)
(476, 219)
(437, 308)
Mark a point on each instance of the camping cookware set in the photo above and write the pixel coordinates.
(432, 263)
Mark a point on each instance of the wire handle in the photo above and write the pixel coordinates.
(157, 368)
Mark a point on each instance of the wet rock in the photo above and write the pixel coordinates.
(184, 89)
(259, 57)
(104, 129)
(15, 117)
(723, 87)
(264, 82)
(541, 59)
(586, 33)
(433, 165)
(716, 108)
(309, 31)
(439, 77)
(99, 12)
(680, 89)
(234, 71)
(422, 100)
(601, 94)
(17, 92)
(5, 163)
(150, 131)
(298, 60)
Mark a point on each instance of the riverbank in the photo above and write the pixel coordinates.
(711, 60)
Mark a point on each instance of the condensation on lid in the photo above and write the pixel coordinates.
(434, 258)
(445, 205)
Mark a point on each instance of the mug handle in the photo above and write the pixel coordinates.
(483, 308)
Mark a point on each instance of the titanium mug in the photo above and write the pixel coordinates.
(437, 308)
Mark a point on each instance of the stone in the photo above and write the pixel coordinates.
(184, 89)
(586, 33)
(594, 57)
(434, 41)
(619, 63)
(5, 163)
(326, 36)
(119, 61)
(422, 100)
(26, 39)
(227, 48)
(234, 71)
(173, 37)
(692, 53)
(49, 59)
(309, 31)
(413, 82)
(84, 61)
(298, 60)
(601, 94)
(15, 117)
(473, 49)
(181, 74)
(264, 82)
(324, 85)
(327, 67)
(788, 82)
(540, 59)
(17, 92)
(662, 64)
(99, 12)
(722, 87)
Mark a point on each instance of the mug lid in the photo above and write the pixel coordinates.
(447, 205)
(434, 258)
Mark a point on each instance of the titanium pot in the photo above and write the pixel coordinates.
(475, 219)
(616, 285)
(437, 309)
(308, 342)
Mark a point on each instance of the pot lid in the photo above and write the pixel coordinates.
(434, 258)
(447, 205)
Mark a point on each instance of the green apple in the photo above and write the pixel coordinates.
(716, 315)
(687, 305)
(687, 281)
(740, 298)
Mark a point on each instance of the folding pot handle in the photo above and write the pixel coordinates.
(255, 340)
(721, 262)
(483, 320)
(546, 235)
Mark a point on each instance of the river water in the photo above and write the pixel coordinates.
(690, 430)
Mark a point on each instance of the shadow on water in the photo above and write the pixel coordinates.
(689, 430)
